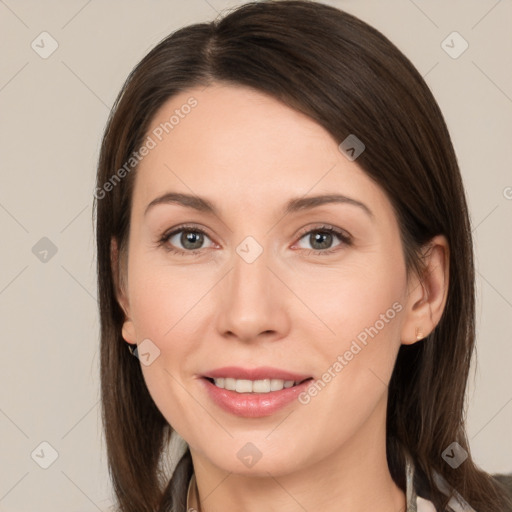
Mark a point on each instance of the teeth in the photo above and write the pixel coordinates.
(243, 386)
(253, 386)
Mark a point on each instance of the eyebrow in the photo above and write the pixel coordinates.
(294, 205)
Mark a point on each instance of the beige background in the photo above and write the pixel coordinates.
(52, 115)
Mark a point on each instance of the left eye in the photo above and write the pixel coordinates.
(322, 238)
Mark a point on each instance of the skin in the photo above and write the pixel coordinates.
(249, 154)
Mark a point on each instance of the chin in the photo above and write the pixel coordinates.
(253, 459)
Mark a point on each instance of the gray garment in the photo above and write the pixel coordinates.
(418, 504)
(410, 492)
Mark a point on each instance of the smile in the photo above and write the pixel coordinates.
(253, 399)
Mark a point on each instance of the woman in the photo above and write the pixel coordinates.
(283, 242)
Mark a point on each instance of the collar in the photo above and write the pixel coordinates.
(410, 493)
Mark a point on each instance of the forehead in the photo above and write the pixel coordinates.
(234, 124)
(242, 144)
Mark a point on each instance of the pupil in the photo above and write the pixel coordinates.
(318, 236)
(192, 237)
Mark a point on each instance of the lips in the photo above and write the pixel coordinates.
(254, 404)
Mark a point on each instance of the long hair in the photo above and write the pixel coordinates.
(349, 78)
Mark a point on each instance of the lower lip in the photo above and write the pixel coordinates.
(253, 405)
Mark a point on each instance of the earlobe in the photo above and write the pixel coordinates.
(427, 294)
(128, 331)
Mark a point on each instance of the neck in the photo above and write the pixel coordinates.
(354, 478)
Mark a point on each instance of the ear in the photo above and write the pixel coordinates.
(427, 293)
(128, 331)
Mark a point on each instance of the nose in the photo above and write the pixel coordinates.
(253, 302)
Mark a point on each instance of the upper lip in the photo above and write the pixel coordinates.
(260, 373)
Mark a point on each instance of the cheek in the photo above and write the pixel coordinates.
(161, 296)
(162, 306)
(163, 311)
(353, 298)
(360, 307)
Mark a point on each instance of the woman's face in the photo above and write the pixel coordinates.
(265, 285)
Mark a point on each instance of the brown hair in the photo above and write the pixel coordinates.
(349, 78)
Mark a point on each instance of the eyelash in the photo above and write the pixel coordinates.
(343, 236)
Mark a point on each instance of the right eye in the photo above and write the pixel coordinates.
(191, 239)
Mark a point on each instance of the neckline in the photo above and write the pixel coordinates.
(410, 493)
